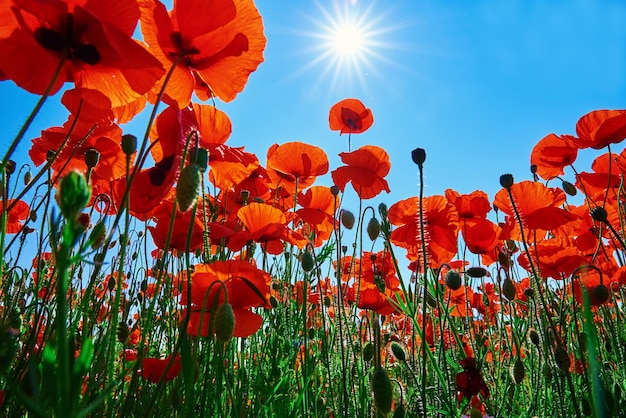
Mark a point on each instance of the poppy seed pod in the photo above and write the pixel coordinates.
(381, 387)
(373, 228)
(224, 322)
(569, 188)
(419, 156)
(506, 181)
(599, 214)
(334, 190)
(453, 280)
(129, 144)
(347, 219)
(92, 156)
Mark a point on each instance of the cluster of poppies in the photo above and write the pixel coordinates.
(210, 49)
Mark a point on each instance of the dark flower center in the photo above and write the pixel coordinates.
(60, 42)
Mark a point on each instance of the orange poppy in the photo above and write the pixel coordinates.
(96, 108)
(471, 206)
(247, 287)
(18, 213)
(589, 281)
(318, 205)
(537, 204)
(264, 224)
(106, 139)
(556, 258)
(153, 369)
(180, 229)
(217, 45)
(350, 116)
(481, 237)
(604, 178)
(441, 228)
(150, 186)
(93, 39)
(365, 169)
(552, 153)
(295, 165)
(601, 128)
(370, 297)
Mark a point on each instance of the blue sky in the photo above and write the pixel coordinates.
(476, 84)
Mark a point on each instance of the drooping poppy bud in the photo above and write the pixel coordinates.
(508, 289)
(599, 214)
(347, 218)
(368, 351)
(381, 387)
(518, 372)
(453, 280)
(569, 188)
(307, 261)
(373, 228)
(398, 351)
(224, 322)
(188, 187)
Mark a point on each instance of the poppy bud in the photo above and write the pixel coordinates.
(508, 289)
(382, 209)
(347, 218)
(398, 351)
(10, 167)
(32, 216)
(476, 272)
(129, 144)
(123, 332)
(92, 156)
(381, 387)
(534, 336)
(307, 261)
(569, 188)
(599, 214)
(518, 372)
(97, 236)
(245, 196)
(453, 280)
(601, 294)
(561, 358)
(368, 351)
(506, 181)
(224, 322)
(419, 156)
(28, 177)
(373, 228)
(334, 190)
(200, 157)
(74, 194)
(188, 187)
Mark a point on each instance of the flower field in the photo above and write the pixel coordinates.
(172, 273)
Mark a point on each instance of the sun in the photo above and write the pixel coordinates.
(347, 42)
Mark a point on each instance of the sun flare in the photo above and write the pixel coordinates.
(348, 40)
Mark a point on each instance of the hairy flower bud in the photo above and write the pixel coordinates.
(224, 322)
(73, 195)
(373, 228)
(381, 387)
(347, 218)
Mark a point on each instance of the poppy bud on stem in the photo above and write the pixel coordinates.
(419, 156)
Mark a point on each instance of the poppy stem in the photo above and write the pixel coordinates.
(33, 114)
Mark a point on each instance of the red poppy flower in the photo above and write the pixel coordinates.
(318, 205)
(106, 139)
(370, 297)
(295, 165)
(217, 43)
(605, 177)
(552, 153)
(556, 258)
(93, 38)
(97, 109)
(441, 228)
(537, 205)
(152, 185)
(471, 206)
(601, 128)
(481, 237)
(18, 213)
(350, 116)
(365, 169)
(180, 229)
(470, 382)
(153, 369)
(264, 224)
(247, 287)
